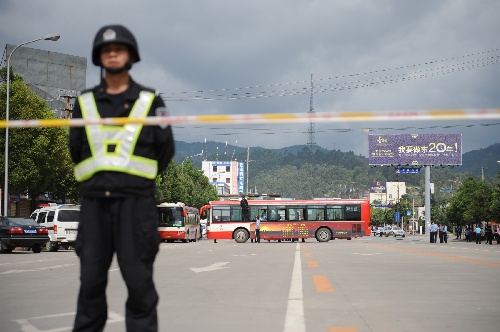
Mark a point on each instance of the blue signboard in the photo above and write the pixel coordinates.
(397, 216)
(407, 170)
(241, 177)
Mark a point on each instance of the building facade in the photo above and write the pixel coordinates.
(227, 176)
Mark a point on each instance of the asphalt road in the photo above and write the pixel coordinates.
(367, 284)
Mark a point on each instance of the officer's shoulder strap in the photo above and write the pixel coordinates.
(148, 89)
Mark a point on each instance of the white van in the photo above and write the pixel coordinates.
(62, 223)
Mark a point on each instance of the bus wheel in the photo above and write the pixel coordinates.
(323, 234)
(241, 235)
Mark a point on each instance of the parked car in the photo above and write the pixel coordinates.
(62, 223)
(379, 229)
(397, 231)
(21, 232)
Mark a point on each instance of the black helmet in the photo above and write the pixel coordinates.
(114, 34)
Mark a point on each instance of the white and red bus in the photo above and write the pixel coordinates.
(323, 220)
(176, 221)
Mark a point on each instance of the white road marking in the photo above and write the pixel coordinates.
(213, 267)
(37, 269)
(370, 254)
(26, 326)
(294, 318)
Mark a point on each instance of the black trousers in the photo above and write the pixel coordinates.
(433, 237)
(245, 215)
(257, 235)
(127, 226)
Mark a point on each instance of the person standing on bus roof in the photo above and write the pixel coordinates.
(117, 167)
(244, 209)
(257, 229)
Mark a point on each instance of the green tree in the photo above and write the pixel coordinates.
(184, 183)
(380, 217)
(39, 161)
(471, 204)
(495, 201)
(13, 75)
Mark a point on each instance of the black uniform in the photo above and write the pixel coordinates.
(118, 214)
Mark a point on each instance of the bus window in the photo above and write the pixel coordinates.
(170, 216)
(220, 213)
(255, 211)
(353, 212)
(236, 213)
(295, 214)
(315, 212)
(335, 212)
(276, 213)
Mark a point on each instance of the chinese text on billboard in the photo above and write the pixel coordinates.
(414, 149)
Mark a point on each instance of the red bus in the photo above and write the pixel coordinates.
(176, 221)
(323, 220)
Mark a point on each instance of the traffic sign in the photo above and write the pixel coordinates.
(407, 170)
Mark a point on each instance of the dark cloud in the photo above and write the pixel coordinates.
(258, 57)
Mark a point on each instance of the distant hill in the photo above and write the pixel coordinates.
(486, 158)
(472, 161)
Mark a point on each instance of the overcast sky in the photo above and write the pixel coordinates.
(258, 56)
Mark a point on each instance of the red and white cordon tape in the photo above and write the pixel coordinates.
(458, 114)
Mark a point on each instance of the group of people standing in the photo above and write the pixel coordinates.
(477, 234)
(440, 230)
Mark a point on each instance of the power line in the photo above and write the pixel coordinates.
(225, 93)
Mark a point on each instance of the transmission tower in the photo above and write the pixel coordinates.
(311, 141)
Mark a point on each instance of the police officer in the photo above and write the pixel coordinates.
(117, 166)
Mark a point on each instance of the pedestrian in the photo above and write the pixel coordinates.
(467, 234)
(498, 234)
(257, 229)
(244, 209)
(478, 234)
(445, 233)
(489, 235)
(440, 230)
(117, 167)
(433, 232)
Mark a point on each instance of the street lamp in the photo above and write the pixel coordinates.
(195, 155)
(53, 37)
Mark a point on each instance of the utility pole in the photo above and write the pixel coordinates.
(248, 162)
(311, 141)
(68, 108)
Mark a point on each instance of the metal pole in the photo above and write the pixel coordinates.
(6, 180)
(248, 162)
(427, 198)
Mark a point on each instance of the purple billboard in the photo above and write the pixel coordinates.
(415, 149)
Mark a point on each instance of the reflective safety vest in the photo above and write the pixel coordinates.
(112, 147)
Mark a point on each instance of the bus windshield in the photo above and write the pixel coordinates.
(170, 217)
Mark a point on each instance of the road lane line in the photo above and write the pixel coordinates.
(322, 284)
(294, 318)
(312, 264)
(343, 329)
(439, 255)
